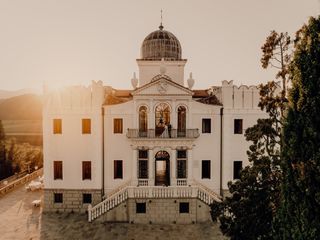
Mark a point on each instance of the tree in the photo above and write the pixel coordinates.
(10, 158)
(299, 215)
(249, 212)
(2, 153)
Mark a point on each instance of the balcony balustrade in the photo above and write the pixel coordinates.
(154, 133)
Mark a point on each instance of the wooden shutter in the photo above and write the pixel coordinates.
(57, 170)
(86, 126)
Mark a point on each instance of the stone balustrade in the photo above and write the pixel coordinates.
(197, 191)
(18, 182)
(143, 182)
(152, 133)
(181, 182)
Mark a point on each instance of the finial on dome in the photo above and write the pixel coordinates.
(161, 26)
(163, 68)
(134, 81)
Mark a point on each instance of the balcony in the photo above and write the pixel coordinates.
(154, 133)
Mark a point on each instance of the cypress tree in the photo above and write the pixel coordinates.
(299, 215)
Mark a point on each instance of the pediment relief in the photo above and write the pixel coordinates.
(162, 85)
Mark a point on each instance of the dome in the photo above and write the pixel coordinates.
(161, 44)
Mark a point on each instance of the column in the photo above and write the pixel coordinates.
(151, 164)
(134, 168)
(173, 166)
(190, 168)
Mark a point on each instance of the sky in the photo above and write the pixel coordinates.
(72, 42)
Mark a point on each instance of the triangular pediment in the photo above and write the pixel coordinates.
(162, 85)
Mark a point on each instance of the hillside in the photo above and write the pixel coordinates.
(4, 94)
(24, 107)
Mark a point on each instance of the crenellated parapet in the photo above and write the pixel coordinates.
(74, 99)
(242, 97)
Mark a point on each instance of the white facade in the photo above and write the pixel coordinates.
(160, 82)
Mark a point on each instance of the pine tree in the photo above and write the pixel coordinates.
(299, 216)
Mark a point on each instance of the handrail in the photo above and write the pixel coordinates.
(107, 204)
(115, 191)
(203, 191)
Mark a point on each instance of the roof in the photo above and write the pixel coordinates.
(124, 95)
(201, 93)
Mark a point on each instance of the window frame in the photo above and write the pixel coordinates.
(143, 156)
(57, 164)
(238, 129)
(115, 169)
(204, 171)
(57, 198)
(235, 174)
(206, 128)
(57, 126)
(116, 125)
(180, 159)
(141, 208)
(84, 198)
(184, 208)
(86, 126)
(86, 174)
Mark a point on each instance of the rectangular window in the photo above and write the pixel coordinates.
(117, 125)
(238, 125)
(86, 126)
(58, 198)
(57, 170)
(86, 170)
(206, 169)
(118, 171)
(184, 207)
(237, 167)
(141, 208)
(181, 164)
(182, 169)
(143, 164)
(206, 125)
(57, 126)
(86, 198)
(143, 169)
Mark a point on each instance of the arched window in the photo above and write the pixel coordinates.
(182, 121)
(162, 118)
(143, 121)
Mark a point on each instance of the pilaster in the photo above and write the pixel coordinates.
(189, 166)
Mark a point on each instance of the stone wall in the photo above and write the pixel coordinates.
(72, 200)
(159, 211)
(20, 181)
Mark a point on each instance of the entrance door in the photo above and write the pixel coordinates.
(162, 168)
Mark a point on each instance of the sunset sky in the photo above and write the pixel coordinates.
(71, 42)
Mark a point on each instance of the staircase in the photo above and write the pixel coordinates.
(126, 191)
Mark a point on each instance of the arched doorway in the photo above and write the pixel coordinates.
(162, 168)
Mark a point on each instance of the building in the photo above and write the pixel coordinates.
(160, 152)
